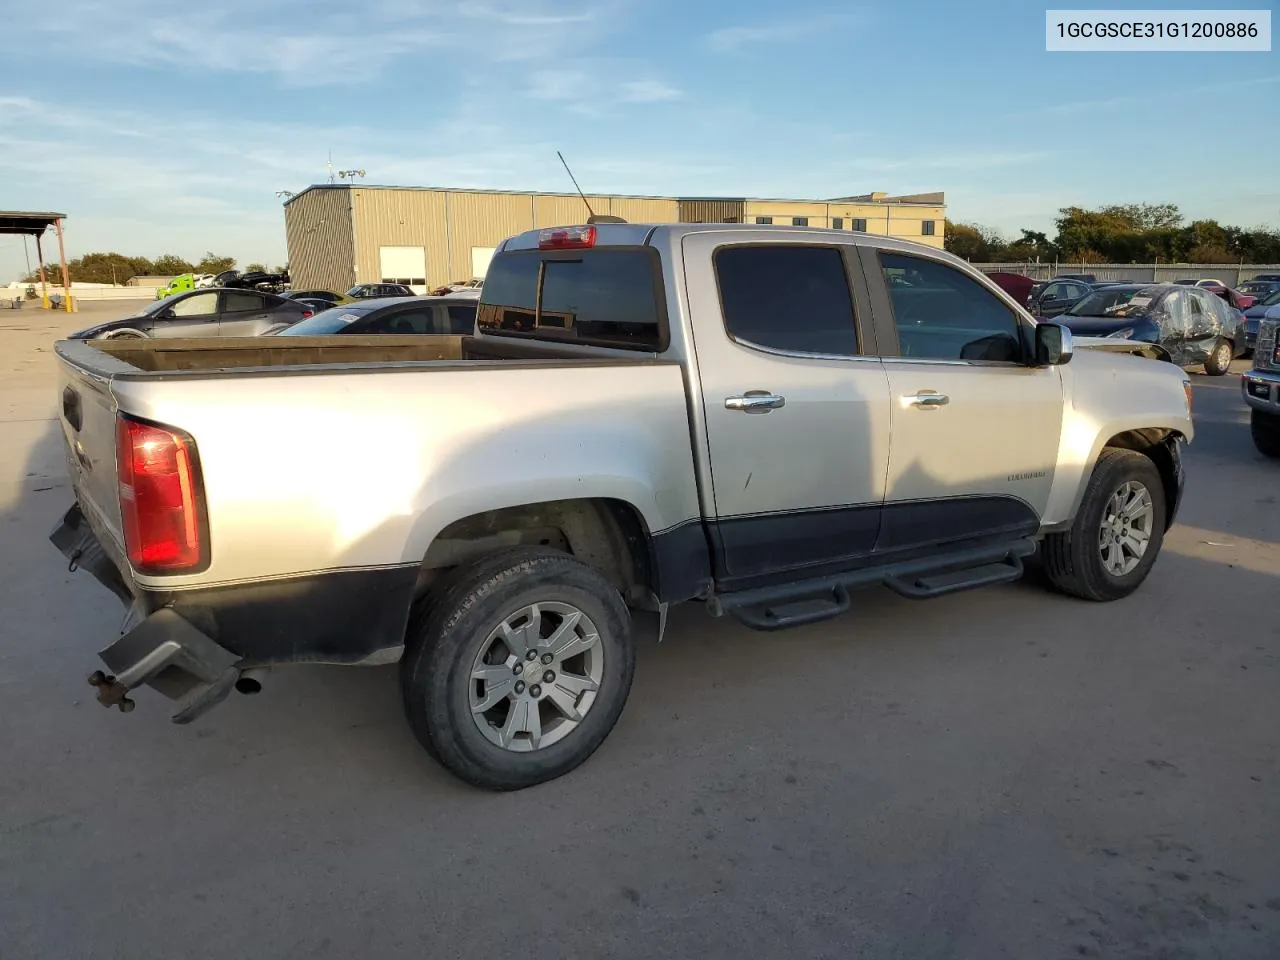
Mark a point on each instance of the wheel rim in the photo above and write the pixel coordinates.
(1224, 355)
(1126, 528)
(536, 676)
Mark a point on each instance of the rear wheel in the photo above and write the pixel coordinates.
(517, 668)
(1117, 533)
(1219, 361)
(1265, 428)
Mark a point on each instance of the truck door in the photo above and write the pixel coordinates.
(795, 401)
(975, 429)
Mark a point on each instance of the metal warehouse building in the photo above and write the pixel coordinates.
(342, 234)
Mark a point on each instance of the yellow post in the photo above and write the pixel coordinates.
(66, 276)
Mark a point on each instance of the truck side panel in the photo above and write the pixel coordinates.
(332, 471)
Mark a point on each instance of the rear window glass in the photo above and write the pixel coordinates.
(1118, 302)
(604, 296)
(325, 323)
(790, 298)
(462, 319)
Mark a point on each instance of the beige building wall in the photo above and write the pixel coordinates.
(319, 233)
(335, 234)
(398, 218)
(783, 211)
(645, 209)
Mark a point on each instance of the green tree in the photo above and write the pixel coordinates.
(256, 268)
(213, 263)
(973, 241)
(97, 268)
(169, 265)
(1146, 216)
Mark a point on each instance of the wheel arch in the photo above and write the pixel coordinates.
(1160, 446)
(606, 533)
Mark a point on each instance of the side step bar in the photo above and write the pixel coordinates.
(810, 601)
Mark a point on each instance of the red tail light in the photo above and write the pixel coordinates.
(308, 313)
(567, 238)
(161, 499)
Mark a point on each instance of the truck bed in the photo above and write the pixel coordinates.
(134, 357)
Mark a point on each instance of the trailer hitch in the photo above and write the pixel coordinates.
(111, 692)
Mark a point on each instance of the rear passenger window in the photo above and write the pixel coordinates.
(608, 297)
(790, 298)
(462, 319)
(942, 314)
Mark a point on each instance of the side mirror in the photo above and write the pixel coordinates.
(1053, 345)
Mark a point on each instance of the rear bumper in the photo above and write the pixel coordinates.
(192, 644)
(158, 648)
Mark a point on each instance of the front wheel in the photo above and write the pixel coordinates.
(1265, 428)
(517, 667)
(1219, 361)
(1117, 533)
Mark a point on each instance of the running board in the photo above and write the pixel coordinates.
(810, 601)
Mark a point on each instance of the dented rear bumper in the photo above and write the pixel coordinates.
(158, 648)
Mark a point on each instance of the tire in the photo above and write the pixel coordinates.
(1265, 428)
(462, 621)
(1219, 362)
(1073, 560)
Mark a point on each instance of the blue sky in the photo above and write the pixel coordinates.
(164, 132)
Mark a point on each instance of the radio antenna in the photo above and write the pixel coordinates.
(575, 183)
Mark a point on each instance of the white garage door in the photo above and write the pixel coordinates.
(480, 257)
(407, 265)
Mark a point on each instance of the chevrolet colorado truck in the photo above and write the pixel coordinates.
(761, 419)
(1261, 389)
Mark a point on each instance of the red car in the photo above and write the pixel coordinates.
(1014, 284)
(1241, 301)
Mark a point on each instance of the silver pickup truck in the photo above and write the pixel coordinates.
(758, 418)
(1261, 389)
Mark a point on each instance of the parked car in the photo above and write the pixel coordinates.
(1266, 308)
(1259, 289)
(1190, 325)
(362, 291)
(1056, 296)
(457, 287)
(316, 306)
(489, 524)
(1017, 285)
(1261, 389)
(1273, 277)
(395, 315)
(214, 312)
(1082, 277)
(1202, 282)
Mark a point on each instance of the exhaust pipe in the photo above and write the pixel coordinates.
(250, 681)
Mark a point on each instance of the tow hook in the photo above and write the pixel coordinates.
(111, 692)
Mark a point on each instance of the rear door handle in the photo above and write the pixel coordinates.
(755, 401)
(927, 398)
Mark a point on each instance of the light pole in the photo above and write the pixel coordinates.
(350, 174)
(286, 194)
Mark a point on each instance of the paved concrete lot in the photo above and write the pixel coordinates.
(1004, 773)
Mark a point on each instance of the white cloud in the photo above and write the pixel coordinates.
(649, 91)
(314, 44)
(735, 39)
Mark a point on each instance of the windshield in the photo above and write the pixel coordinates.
(1270, 300)
(324, 323)
(1117, 302)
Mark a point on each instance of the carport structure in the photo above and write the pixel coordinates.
(34, 224)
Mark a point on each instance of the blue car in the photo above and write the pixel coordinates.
(1269, 307)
